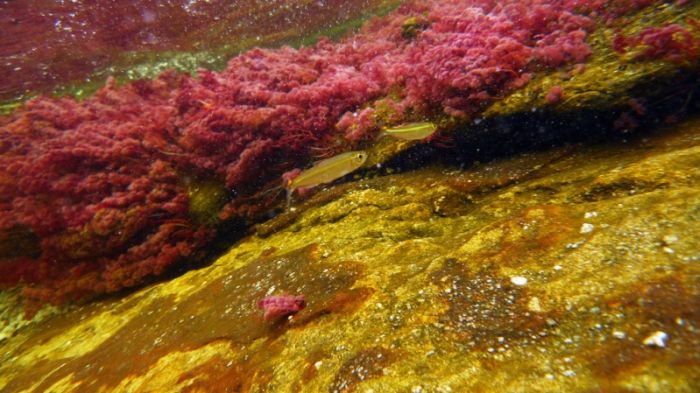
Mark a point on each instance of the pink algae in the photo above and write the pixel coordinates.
(280, 306)
(671, 42)
(554, 95)
(99, 183)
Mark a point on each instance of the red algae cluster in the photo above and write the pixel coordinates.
(50, 43)
(671, 42)
(100, 184)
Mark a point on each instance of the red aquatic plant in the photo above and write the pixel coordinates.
(671, 42)
(280, 306)
(554, 95)
(99, 191)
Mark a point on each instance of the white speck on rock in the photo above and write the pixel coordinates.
(590, 214)
(518, 280)
(573, 246)
(656, 339)
(587, 227)
(619, 335)
(668, 250)
(569, 373)
(318, 364)
(670, 239)
(534, 305)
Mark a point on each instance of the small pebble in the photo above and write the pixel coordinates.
(670, 239)
(656, 339)
(590, 214)
(518, 280)
(587, 228)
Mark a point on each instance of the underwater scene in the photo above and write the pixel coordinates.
(349, 196)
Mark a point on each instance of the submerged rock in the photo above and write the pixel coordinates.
(572, 269)
(137, 181)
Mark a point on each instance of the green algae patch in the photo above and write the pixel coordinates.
(206, 200)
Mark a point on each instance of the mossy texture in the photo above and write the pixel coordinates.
(542, 272)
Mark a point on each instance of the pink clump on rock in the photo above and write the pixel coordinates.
(280, 306)
(101, 183)
(554, 95)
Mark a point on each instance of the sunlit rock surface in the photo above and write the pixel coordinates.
(574, 269)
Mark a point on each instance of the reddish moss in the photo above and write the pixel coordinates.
(671, 42)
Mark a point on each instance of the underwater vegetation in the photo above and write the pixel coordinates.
(100, 191)
(280, 306)
(70, 47)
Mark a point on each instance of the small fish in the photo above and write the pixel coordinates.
(279, 306)
(411, 131)
(326, 171)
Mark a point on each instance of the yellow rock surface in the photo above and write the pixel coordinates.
(574, 269)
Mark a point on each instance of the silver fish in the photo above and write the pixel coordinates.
(327, 170)
(411, 131)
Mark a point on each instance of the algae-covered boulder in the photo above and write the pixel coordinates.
(115, 190)
(544, 239)
(573, 269)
